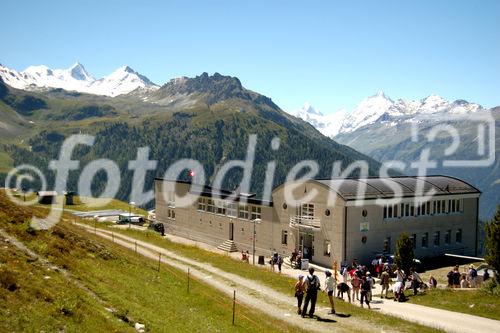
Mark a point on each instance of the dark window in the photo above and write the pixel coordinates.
(327, 212)
(387, 245)
(284, 237)
(413, 240)
(285, 205)
(458, 236)
(327, 248)
(425, 240)
(364, 213)
(447, 237)
(437, 237)
(385, 212)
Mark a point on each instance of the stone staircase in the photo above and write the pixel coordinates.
(287, 263)
(228, 246)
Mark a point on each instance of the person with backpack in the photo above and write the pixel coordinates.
(385, 279)
(279, 262)
(300, 288)
(366, 288)
(330, 285)
(312, 287)
(472, 276)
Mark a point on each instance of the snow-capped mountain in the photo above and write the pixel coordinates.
(121, 81)
(329, 124)
(381, 108)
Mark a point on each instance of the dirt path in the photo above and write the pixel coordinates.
(249, 292)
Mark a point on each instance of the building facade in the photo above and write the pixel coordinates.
(329, 220)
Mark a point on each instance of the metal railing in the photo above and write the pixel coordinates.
(305, 222)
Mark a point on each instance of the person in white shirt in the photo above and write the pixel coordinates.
(345, 275)
(330, 286)
(399, 286)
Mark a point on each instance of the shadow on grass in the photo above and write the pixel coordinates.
(325, 320)
(343, 315)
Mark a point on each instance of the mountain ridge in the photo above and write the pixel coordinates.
(212, 125)
(76, 78)
(380, 106)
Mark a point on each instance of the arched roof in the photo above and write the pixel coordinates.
(408, 186)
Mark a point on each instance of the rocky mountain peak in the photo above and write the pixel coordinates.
(215, 87)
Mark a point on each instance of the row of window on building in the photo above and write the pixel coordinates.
(229, 208)
(424, 240)
(433, 207)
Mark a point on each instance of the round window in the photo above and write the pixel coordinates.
(363, 239)
(285, 205)
(327, 212)
(364, 213)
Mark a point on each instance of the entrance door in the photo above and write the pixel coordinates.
(306, 244)
(231, 231)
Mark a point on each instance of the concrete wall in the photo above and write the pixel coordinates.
(214, 229)
(331, 226)
(380, 229)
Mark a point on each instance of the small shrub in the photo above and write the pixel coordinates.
(8, 280)
(492, 287)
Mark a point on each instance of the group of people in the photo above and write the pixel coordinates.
(276, 260)
(307, 287)
(466, 279)
(245, 256)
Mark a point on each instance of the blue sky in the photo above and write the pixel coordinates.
(330, 53)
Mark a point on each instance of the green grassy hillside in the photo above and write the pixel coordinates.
(35, 298)
(213, 127)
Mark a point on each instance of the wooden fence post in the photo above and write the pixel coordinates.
(234, 304)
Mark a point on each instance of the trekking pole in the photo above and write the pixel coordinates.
(188, 280)
(234, 303)
(159, 261)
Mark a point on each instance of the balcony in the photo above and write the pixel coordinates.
(304, 222)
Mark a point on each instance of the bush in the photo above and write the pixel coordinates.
(8, 280)
(493, 243)
(492, 287)
(403, 257)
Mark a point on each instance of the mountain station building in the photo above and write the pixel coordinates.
(351, 227)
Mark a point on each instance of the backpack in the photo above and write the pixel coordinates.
(312, 285)
(473, 273)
